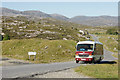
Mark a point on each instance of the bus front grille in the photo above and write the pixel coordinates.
(83, 55)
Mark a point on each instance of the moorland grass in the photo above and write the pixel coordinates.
(99, 70)
(47, 50)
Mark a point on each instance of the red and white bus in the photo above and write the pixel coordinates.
(89, 51)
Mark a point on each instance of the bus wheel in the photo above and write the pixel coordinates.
(77, 61)
(99, 60)
(90, 62)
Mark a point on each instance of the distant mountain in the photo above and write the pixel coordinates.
(35, 13)
(59, 17)
(95, 20)
(85, 20)
(9, 12)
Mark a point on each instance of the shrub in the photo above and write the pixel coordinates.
(6, 37)
(112, 32)
(1, 37)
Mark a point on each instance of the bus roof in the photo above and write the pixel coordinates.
(88, 42)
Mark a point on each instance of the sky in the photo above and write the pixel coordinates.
(60, 0)
(68, 9)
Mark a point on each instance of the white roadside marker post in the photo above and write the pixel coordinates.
(32, 53)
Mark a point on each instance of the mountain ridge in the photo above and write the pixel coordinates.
(103, 20)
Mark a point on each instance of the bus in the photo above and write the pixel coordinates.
(89, 51)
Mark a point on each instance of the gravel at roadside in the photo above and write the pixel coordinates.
(69, 73)
(11, 62)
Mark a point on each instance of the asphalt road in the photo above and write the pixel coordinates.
(34, 69)
(27, 70)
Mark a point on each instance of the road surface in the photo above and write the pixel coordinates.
(34, 69)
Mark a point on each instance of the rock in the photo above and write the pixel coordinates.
(60, 29)
(113, 38)
(115, 49)
(69, 50)
(25, 27)
(69, 36)
(60, 46)
(41, 30)
(21, 29)
(56, 53)
(53, 55)
(46, 47)
(64, 39)
(13, 30)
(82, 32)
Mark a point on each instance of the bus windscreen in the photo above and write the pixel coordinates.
(85, 47)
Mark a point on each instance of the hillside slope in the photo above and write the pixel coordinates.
(47, 50)
(21, 27)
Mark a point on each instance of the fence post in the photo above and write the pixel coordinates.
(29, 57)
(34, 57)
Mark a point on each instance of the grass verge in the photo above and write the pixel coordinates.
(99, 70)
(47, 50)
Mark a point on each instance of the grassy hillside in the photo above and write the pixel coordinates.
(47, 50)
(52, 39)
(21, 27)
